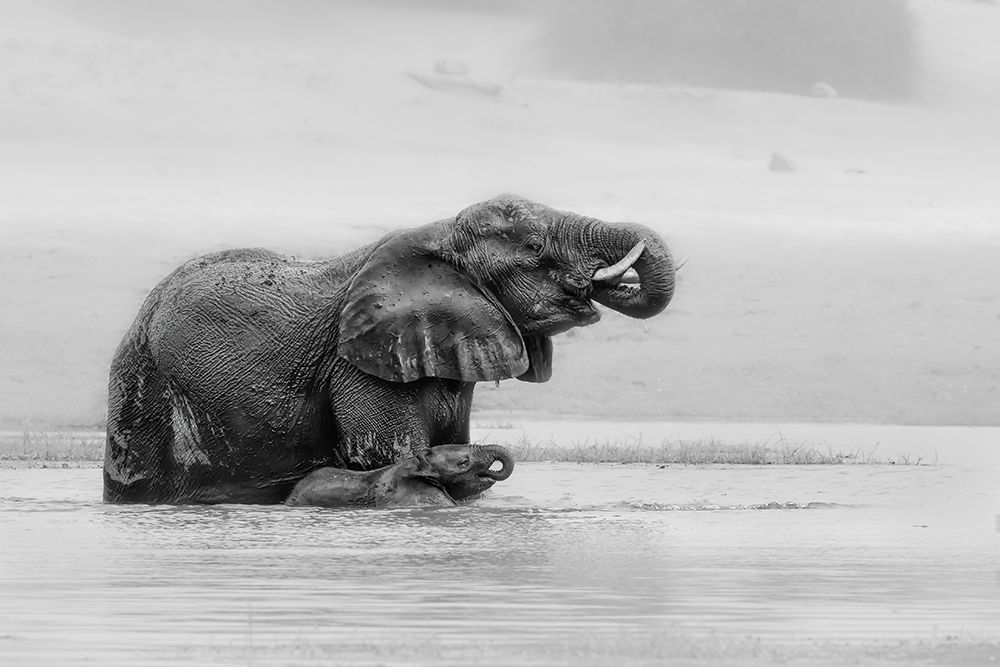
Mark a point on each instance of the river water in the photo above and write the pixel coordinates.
(561, 564)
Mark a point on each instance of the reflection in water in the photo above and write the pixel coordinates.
(561, 562)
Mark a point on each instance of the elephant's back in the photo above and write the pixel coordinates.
(208, 276)
(240, 301)
(334, 487)
(246, 271)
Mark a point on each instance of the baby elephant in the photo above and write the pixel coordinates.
(443, 474)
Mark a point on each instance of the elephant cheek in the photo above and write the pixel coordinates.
(467, 488)
(559, 316)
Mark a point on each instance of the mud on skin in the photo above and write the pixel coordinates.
(246, 370)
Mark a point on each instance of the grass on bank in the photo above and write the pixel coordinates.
(698, 452)
(39, 446)
(52, 446)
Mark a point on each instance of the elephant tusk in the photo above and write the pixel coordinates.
(616, 271)
(630, 277)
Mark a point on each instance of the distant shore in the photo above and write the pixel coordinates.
(652, 442)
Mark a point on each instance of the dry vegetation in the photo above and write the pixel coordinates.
(700, 452)
(47, 448)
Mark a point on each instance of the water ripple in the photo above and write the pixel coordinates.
(561, 562)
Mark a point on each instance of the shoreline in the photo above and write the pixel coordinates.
(630, 441)
(527, 416)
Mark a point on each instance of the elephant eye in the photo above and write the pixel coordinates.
(464, 461)
(534, 244)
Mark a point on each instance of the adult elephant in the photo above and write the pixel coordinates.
(245, 370)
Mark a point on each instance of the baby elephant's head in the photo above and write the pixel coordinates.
(466, 470)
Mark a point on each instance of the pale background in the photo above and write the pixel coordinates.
(862, 287)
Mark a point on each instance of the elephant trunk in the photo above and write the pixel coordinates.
(624, 248)
(494, 453)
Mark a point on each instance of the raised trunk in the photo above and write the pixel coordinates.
(654, 267)
(498, 453)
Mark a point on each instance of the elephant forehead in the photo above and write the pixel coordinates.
(451, 449)
(448, 453)
(520, 210)
(505, 214)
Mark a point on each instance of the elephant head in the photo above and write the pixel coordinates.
(478, 296)
(465, 470)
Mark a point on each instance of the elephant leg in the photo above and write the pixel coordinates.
(139, 431)
(376, 422)
(370, 444)
(379, 422)
(450, 401)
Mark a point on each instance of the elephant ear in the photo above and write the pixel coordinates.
(409, 315)
(539, 349)
(423, 469)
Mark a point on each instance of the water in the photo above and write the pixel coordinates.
(562, 564)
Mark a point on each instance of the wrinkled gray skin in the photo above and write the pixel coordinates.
(435, 478)
(245, 370)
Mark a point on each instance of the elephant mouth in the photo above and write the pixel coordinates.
(492, 475)
(623, 291)
(620, 280)
(621, 272)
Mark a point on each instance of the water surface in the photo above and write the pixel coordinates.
(562, 564)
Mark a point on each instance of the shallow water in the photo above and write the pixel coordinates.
(561, 564)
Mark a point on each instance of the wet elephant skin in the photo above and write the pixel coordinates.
(245, 370)
(442, 474)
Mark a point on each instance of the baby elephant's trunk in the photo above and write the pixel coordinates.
(494, 453)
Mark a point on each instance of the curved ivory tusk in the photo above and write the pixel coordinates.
(617, 270)
(630, 277)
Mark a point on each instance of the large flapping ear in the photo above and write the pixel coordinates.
(410, 314)
(539, 349)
